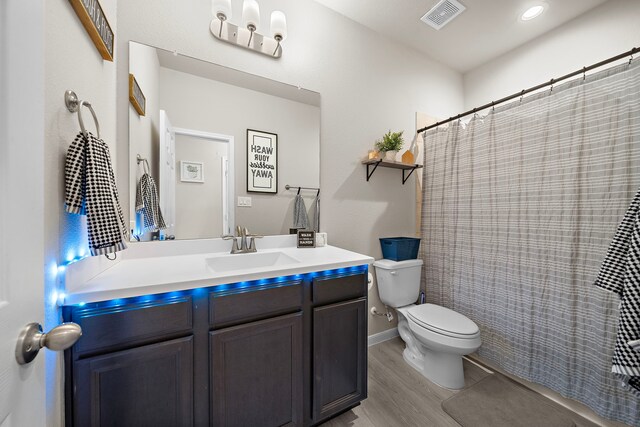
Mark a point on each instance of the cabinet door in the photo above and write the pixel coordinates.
(256, 373)
(145, 386)
(339, 357)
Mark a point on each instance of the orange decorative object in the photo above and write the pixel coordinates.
(408, 158)
(373, 154)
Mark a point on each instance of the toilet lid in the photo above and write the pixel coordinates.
(443, 321)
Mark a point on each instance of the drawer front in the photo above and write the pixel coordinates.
(113, 328)
(325, 290)
(240, 305)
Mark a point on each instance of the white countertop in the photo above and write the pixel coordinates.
(168, 269)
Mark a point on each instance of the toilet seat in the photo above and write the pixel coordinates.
(443, 321)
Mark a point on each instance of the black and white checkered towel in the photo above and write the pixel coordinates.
(620, 273)
(147, 204)
(91, 190)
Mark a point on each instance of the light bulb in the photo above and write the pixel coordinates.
(278, 25)
(221, 9)
(251, 15)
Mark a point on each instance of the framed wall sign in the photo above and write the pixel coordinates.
(262, 162)
(306, 239)
(191, 171)
(136, 97)
(95, 22)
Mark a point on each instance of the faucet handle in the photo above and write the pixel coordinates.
(234, 246)
(251, 247)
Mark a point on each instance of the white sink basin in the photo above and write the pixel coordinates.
(238, 262)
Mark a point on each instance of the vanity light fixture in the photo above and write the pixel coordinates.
(246, 35)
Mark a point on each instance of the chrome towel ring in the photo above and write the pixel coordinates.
(73, 105)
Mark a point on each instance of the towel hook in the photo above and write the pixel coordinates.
(145, 164)
(73, 105)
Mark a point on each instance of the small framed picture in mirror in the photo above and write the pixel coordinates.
(191, 171)
(262, 162)
(136, 97)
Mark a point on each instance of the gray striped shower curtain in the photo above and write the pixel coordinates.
(519, 208)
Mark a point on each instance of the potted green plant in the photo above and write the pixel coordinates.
(390, 143)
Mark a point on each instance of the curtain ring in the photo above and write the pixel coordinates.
(630, 58)
(521, 95)
(584, 73)
(493, 106)
(115, 255)
(551, 82)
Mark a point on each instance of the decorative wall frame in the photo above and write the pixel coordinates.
(262, 162)
(137, 98)
(191, 171)
(95, 22)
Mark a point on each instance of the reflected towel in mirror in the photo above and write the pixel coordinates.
(147, 204)
(316, 214)
(300, 218)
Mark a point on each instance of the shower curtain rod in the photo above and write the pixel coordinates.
(534, 88)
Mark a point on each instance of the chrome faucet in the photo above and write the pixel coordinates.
(246, 246)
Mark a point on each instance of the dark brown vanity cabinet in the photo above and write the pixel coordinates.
(265, 353)
(150, 385)
(256, 373)
(134, 364)
(339, 345)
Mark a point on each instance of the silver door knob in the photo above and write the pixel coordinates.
(32, 339)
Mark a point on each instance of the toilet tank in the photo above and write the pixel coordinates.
(398, 281)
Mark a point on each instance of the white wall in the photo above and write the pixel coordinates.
(71, 62)
(605, 31)
(367, 83)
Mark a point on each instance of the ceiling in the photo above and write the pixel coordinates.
(484, 31)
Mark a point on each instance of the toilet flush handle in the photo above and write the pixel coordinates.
(393, 272)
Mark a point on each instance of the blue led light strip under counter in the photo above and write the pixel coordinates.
(176, 296)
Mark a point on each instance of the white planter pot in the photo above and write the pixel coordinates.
(390, 156)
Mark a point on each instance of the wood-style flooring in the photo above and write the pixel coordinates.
(400, 396)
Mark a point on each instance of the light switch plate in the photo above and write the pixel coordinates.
(244, 201)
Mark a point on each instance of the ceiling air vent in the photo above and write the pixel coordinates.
(442, 13)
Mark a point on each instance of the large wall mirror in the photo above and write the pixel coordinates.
(217, 146)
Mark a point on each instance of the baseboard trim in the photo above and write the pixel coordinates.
(383, 336)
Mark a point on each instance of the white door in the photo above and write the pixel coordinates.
(167, 190)
(226, 229)
(22, 248)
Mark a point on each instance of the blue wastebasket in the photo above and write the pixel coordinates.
(399, 248)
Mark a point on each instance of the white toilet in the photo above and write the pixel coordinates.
(436, 337)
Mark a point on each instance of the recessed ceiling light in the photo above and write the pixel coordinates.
(532, 12)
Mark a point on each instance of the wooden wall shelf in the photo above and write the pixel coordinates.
(373, 164)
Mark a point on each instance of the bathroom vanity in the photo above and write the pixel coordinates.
(281, 342)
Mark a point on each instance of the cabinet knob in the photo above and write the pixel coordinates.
(32, 339)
